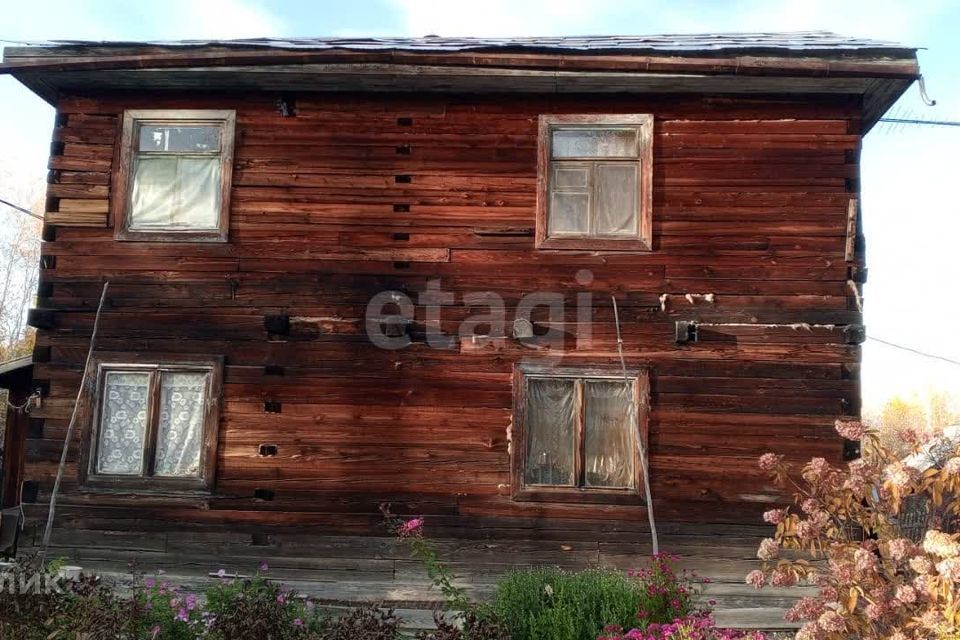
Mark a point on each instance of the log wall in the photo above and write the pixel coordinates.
(357, 194)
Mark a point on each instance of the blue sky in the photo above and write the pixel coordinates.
(909, 173)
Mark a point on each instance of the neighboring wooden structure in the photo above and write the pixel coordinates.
(15, 378)
(362, 167)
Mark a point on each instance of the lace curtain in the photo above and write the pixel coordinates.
(124, 416)
(180, 430)
(608, 434)
(123, 424)
(551, 431)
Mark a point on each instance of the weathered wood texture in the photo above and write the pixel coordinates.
(750, 204)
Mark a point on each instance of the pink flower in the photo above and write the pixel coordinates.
(782, 578)
(921, 564)
(864, 560)
(810, 505)
(191, 602)
(952, 466)
(906, 594)
(873, 611)
(281, 599)
(899, 474)
(816, 470)
(149, 583)
(769, 549)
(941, 544)
(264, 566)
(809, 631)
(297, 622)
(804, 609)
(769, 461)
(774, 516)
(849, 428)
(411, 527)
(756, 579)
(900, 549)
(809, 529)
(831, 622)
(931, 618)
(908, 436)
(221, 573)
(182, 615)
(949, 569)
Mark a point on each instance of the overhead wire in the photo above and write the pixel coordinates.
(16, 207)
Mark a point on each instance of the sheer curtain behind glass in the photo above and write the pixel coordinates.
(176, 178)
(551, 432)
(608, 434)
(123, 423)
(180, 429)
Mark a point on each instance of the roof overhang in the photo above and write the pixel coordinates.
(878, 74)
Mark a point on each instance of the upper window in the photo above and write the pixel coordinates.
(175, 175)
(576, 435)
(155, 424)
(595, 177)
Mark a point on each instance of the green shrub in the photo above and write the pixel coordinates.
(553, 604)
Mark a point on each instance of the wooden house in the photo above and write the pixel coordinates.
(347, 272)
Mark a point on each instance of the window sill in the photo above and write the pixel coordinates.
(579, 496)
(147, 486)
(595, 244)
(171, 236)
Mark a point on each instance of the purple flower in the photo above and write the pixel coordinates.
(221, 573)
(149, 582)
(264, 566)
(297, 622)
(191, 602)
(182, 615)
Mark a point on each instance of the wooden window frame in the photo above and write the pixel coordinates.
(578, 494)
(644, 125)
(124, 174)
(148, 483)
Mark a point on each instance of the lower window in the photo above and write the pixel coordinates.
(154, 423)
(576, 434)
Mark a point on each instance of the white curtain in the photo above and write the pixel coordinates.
(123, 423)
(609, 434)
(551, 432)
(616, 199)
(180, 429)
(175, 192)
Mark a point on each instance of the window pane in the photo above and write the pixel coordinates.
(172, 192)
(180, 429)
(189, 139)
(567, 175)
(616, 204)
(590, 143)
(608, 434)
(551, 432)
(123, 423)
(568, 213)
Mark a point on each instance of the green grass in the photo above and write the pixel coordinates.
(552, 604)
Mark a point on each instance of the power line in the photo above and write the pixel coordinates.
(915, 351)
(937, 123)
(21, 209)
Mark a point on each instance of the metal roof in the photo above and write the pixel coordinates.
(801, 41)
(16, 363)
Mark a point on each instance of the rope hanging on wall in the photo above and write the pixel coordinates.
(636, 420)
